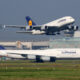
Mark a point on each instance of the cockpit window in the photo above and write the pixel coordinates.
(62, 20)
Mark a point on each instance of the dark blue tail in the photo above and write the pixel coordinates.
(29, 21)
(2, 48)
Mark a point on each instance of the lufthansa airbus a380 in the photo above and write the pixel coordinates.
(42, 55)
(50, 28)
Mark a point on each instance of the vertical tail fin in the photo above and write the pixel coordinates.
(30, 21)
(2, 48)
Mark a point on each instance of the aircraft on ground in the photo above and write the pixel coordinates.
(50, 28)
(50, 55)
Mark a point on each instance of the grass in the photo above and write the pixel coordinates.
(27, 70)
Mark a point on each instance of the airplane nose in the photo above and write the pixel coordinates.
(72, 20)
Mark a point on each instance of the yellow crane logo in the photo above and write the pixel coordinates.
(30, 23)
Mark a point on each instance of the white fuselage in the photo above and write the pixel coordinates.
(58, 53)
(60, 22)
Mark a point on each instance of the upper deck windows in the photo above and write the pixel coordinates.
(61, 20)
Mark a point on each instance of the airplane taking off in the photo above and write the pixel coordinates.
(43, 55)
(51, 28)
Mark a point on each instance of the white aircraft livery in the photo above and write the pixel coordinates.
(42, 55)
(61, 24)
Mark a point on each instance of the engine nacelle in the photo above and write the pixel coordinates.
(27, 28)
(45, 58)
(2, 26)
(31, 57)
(74, 28)
(44, 27)
(37, 32)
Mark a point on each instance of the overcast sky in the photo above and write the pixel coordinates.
(13, 12)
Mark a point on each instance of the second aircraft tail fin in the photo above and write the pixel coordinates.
(30, 21)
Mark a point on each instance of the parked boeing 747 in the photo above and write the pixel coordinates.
(42, 55)
(51, 28)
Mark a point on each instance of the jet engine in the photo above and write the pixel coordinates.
(74, 28)
(2, 27)
(32, 57)
(45, 58)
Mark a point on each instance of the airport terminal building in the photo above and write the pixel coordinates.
(68, 42)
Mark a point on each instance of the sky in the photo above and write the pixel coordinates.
(13, 12)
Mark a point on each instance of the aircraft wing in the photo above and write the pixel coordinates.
(24, 32)
(2, 26)
(38, 55)
(21, 26)
(16, 26)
